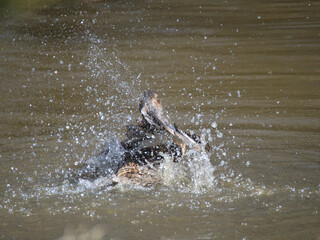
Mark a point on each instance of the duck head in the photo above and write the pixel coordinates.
(151, 109)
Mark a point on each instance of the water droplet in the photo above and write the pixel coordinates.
(219, 134)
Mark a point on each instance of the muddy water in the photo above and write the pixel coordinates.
(244, 75)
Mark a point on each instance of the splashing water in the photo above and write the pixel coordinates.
(194, 173)
(110, 79)
(111, 98)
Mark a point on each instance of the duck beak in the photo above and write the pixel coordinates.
(163, 124)
(186, 138)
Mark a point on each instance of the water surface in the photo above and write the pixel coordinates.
(245, 75)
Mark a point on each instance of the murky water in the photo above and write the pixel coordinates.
(245, 75)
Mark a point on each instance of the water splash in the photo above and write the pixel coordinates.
(110, 95)
(194, 172)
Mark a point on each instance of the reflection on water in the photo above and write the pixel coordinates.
(82, 232)
(243, 75)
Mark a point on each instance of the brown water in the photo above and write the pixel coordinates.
(245, 75)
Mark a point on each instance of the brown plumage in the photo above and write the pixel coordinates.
(134, 174)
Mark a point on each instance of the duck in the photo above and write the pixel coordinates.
(137, 158)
